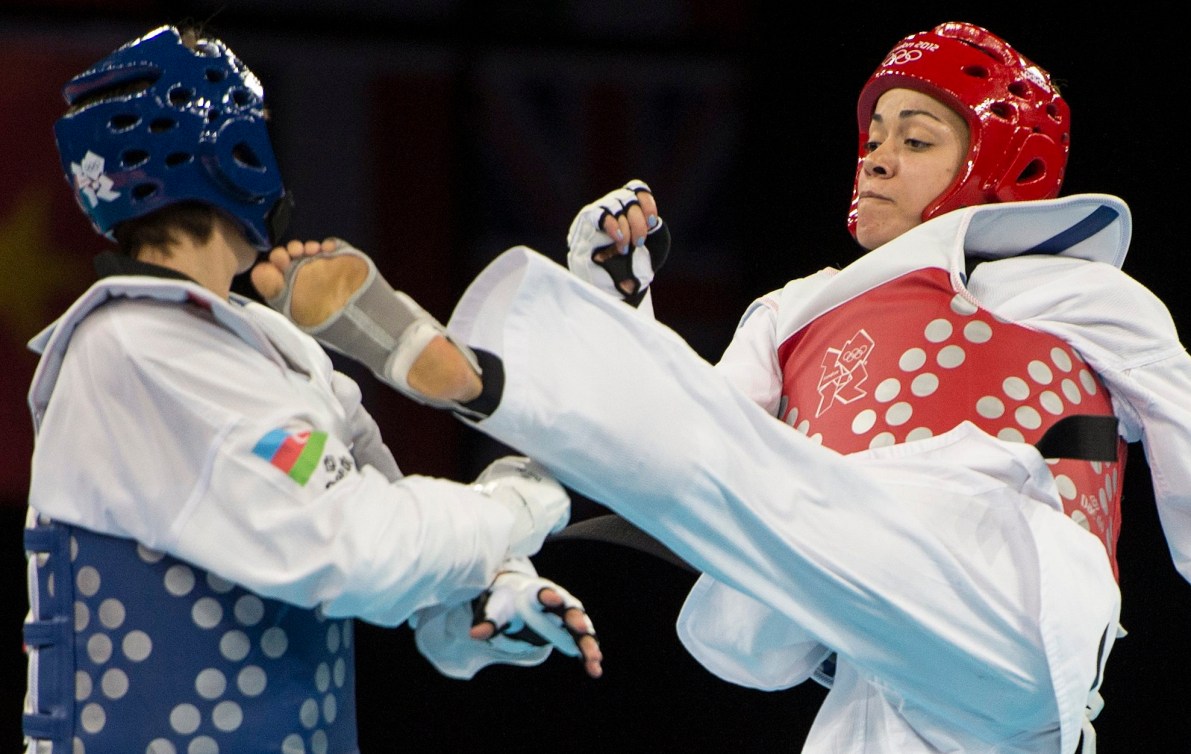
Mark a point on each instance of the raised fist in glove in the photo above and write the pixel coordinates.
(520, 607)
(619, 241)
(539, 504)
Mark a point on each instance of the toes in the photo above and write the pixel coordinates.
(295, 248)
(268, 280)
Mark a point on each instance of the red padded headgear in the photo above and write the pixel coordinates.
(1019, 126)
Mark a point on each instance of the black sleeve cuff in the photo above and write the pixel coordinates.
(493, 379)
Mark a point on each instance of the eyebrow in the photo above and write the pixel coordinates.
(903, 114)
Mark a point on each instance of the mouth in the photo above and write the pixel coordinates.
(872, 195)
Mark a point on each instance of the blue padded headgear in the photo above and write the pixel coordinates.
(156, 123)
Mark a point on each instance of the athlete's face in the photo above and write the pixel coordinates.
(245, 253)
(915, 149)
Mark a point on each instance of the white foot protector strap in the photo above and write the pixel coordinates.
(380, 327)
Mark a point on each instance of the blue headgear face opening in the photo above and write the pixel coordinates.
(163, 123)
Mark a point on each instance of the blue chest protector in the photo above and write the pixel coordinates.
(133, 651)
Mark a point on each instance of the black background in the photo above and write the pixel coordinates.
(779, 208)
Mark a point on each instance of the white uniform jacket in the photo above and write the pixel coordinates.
(170, 422)
(217, 432)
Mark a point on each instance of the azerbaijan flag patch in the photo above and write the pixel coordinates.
(295, 453)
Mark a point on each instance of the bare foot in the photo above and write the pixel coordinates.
(325, 284)
(322, 286)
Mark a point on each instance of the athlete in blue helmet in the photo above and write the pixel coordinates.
(210, 505)
(159, 122)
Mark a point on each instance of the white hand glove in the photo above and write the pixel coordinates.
(586, 238)
(539, 504)
(513, 606)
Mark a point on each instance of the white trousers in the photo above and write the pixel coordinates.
(942, 572)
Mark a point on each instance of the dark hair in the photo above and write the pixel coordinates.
(160, 229)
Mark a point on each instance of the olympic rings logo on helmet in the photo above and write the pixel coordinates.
(901, 56)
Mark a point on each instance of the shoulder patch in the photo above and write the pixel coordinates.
(297, 454)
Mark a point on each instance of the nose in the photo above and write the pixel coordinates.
(879, 162)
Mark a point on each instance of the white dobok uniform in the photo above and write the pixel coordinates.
(857, 475)
(210, 505)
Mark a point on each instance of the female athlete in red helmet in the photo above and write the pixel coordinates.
(902, 479)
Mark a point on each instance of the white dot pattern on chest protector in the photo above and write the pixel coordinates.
(179, 580)
(1071, 392)
(206, 613)
(185, 718)
(1016, 388)
(137, 645)
(1039, 372)
(148, 555)
(1060, 359)
(227, 716)
(938, 330)
(962, 306)
(293, 744)
(990, 407)
(919, 433)
(251, 680)
(249, 610)
(887, 390)
(87, 581)
(912, 358)
(977, 332)
(99, 648)
(203, 745)
(114, 683)
(234, 646)
(82, 685)
(92, 718)
(111, 613)
(204, 714)
(864, 421)
(924, 384)
(1051, 402)
(951, 357)
(898, 414)
(210, 683)
(882, 439)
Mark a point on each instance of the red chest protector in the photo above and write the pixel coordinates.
(911, 358)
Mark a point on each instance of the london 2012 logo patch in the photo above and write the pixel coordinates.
(845, 369)
(91, 181)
